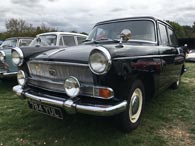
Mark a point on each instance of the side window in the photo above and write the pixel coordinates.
(80, 40)
(101, 34)
(172, 37)
(163, 35)
(69, 41)
(24, 43)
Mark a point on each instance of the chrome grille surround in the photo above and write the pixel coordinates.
(51, 75)
(59, 71)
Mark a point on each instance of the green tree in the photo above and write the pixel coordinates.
(16, 26)
(188, 31)
(19, 28)
(179, 30)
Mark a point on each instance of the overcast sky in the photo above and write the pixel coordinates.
(81, 15)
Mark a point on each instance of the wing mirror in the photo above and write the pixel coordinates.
(125, 35)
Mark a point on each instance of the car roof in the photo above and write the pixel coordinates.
(63, 33)
(19, 38)
(132, 18)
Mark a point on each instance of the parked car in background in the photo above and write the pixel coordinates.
(6, 66)
(58, 39)
(1, 41)
(190, 57)
(42, 42)
(122, 62)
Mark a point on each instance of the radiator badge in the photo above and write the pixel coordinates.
(37, 68)
(52, 71)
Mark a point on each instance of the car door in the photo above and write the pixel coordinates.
(168, 54)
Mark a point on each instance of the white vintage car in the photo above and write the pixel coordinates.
(58, 39)
(42, 42)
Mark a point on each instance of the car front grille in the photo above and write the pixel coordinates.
(51, 75)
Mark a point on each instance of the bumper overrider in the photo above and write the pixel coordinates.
(72, 107)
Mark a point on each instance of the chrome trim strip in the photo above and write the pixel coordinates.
(70, 107)
(9, 74)
(147, 56)
(54, 52)
(141, 41)
(48, 81)
(57, 62)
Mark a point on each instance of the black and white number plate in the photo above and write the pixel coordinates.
(46, 109)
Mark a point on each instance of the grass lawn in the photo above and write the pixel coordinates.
(168, 120)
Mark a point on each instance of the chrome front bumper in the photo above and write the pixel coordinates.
(70, 107)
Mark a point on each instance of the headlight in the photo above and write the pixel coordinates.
(72, 86)
(100, 60)
(17, 56)
(2, 56)
(21, 77)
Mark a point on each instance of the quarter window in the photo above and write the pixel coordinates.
(172, 37)
(69, 41)
(80, 40)
(163, 35)
(24, 42)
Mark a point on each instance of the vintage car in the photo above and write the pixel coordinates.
(6, 66)
(42, 42)
(123, 62)
(58, 39)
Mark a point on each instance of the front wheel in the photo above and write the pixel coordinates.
(130, 119)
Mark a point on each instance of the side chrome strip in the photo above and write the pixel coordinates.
(10, 74)
(147, 56)
(57, 62)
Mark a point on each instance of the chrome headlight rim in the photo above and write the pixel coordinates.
(78, 88)
(2, 55)
(21, 75)
(20, 54)
(106, 54)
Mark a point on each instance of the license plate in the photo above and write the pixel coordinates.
(46, 109)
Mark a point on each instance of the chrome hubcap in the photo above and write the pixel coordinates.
(135, 106)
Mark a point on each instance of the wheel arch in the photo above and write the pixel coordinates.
(148, 82)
